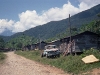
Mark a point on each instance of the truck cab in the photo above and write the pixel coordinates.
(51, 51)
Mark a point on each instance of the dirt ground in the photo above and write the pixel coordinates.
(18, 65)
(93, 72)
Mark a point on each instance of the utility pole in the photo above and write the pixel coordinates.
(70, 35)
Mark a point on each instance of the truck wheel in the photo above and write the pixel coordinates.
(42, 55)
(58, 55)
(47, 56)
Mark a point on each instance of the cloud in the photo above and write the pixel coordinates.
(55, 14)
(86, 4)
(5, 24)
(90, 3)
(29, 19)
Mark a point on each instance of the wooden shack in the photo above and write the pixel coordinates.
(41, 45)
(26, 48)
(85, 40)
(33, 46)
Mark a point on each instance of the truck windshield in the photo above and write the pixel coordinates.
(50, 47)
(51, 51)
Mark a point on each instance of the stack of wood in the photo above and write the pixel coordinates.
(69, 47)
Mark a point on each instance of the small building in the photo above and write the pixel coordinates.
(33, 46)
(27, 47)
(4, 49)
(41, 45)
(85, 40)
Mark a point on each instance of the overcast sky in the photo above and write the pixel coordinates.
(20, 15)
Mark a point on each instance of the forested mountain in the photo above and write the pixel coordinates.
(53, 28)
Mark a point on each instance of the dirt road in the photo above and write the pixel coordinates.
(18, 65)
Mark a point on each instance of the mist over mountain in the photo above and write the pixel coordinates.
(7, 33)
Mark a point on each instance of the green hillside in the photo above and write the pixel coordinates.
(53, 28)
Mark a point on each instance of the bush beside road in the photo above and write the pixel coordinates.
(2, 57)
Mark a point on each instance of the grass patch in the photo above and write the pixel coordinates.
(71, 64)
(2, 57)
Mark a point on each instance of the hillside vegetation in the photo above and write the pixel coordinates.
(53, 28)
(20, 41)
(88, 20)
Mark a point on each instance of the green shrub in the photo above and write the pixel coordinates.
(2, 57)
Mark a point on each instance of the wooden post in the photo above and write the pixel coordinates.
(70, 35)
(74, 48)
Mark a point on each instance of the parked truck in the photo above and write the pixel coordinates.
(51, 51)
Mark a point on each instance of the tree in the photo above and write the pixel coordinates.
(20, 41)
(19, 45)
(98, 15)
(2, 43)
